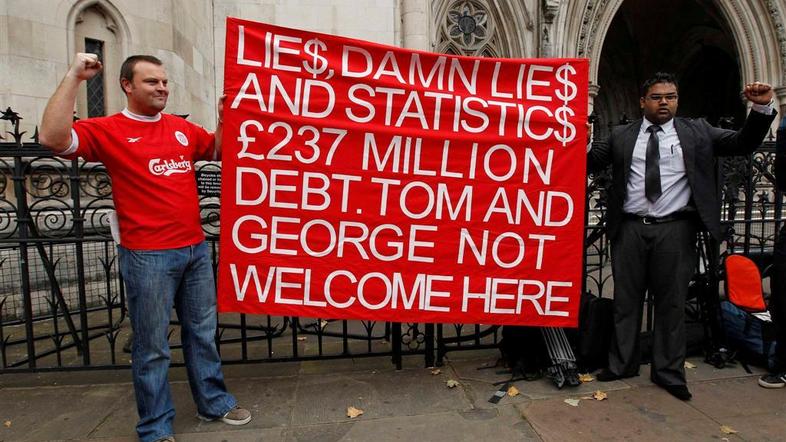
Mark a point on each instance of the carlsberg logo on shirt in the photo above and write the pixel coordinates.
(159, 167)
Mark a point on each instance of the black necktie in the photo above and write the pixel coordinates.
(652, 167)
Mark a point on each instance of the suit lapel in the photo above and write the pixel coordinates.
(688, 145)
(629, 137)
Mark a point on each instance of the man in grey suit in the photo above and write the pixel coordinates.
(776, 378)
(664, 188)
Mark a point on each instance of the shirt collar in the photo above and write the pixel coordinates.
(144, 118)
(667, 126)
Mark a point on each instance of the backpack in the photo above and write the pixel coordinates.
(752, 337)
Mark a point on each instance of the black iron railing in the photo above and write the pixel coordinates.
(62, 303)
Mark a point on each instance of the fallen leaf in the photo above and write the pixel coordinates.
(7, 424)
(587, 398)
(301, 338)
(599, 395)
(323, 324)
(451, 383)
(725, 429)
(689, 365)
(353, 412)
(586, 377)
(513, 391)
(436, 371)
(572, 402)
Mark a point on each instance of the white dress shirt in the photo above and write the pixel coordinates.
(673, 178)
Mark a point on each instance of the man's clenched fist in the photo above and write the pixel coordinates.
(759, 93)
(85, 66)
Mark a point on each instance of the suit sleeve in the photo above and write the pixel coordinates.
(780, 157)
(599, 156)
(743, 141)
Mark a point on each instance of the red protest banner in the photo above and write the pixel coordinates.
(371, 182)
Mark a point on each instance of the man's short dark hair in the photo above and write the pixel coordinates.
(127, 69)
(658, 77)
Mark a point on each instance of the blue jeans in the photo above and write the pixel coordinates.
(155, 281)
(778, 299)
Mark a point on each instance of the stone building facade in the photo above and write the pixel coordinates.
(714, 45)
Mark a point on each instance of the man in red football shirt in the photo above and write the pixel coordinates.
(163, 257)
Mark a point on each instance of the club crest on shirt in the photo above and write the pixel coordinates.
(181, 138)
(169, 167)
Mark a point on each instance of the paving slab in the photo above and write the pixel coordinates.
(269, 400)
(110, 439)
(114, 376)
(244, 435)
(123, 418)
(480, 370)
(360, 364)
(701, 371)
(259, 370)
(304, 401)
(325, 398)
(255, 435)
(64, 378)
(479, 376)
(491, 354)
(759, 427)
(504, 424)
(644, 414)
(57, 412)
(330, 432)
(722, 399)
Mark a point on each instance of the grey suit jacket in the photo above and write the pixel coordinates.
(701, 144)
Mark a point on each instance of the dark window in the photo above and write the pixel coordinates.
(96, 101)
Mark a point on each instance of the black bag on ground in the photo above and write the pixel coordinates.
(596, 326)
(524, 351)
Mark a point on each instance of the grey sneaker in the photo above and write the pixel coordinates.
(773, 380)
(236, 416)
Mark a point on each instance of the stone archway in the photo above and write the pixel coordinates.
(101, 21)
(690, 38)
(756, 27)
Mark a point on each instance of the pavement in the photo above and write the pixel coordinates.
(308, 401)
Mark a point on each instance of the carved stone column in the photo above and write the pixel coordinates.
(593, 92)
(780, 92)
(415, 24)
(549, 10)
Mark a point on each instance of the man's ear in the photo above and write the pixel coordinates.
(126, 85)
(641, 103)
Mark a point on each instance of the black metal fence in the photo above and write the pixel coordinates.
(62, 304)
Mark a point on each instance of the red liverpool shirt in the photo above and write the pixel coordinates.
(151, 163)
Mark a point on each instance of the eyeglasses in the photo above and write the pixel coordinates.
(657, 98)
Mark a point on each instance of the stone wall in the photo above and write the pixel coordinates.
(38, 40)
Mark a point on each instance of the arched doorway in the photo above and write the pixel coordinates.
(690, 38)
